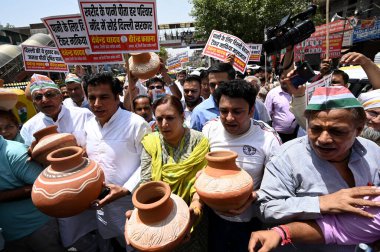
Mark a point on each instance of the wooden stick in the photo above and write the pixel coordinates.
(327, 29)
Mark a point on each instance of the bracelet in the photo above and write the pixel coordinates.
(284, 232)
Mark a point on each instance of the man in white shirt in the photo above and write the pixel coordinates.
(192, 93)
(254, 142)
(113, 139)
(75, 91)
(47, 98)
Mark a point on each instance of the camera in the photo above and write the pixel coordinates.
(290, 31)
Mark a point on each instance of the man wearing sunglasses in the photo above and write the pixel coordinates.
(47, 98)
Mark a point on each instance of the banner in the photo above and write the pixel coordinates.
(220, 43)
(173, 63)
(184, 57)
(310, 87)
(255, 52)
(69, 35)
(114, 26)
(368, 29)
(317, 45)
(43, 59)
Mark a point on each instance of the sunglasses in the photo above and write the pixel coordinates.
(48, 95)
(155, 87)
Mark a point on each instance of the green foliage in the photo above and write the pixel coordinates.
(245, 19)
(163, 53)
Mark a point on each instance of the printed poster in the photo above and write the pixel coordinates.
(43, 59)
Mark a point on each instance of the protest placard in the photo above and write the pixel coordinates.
(310, 87)
(255, 51)
(69, 35)
(183, 56)
(220, 43)
(43, 59)
(114, 26)
(317, 45)
(173, 63)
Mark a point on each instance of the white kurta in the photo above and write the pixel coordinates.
(117, 148)
(70, 120)
(254, 149)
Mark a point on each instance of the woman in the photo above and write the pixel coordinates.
(174, 155)
(9, 126)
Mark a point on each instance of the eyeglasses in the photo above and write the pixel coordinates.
(48, 95)
(372, 113)
(155, 87)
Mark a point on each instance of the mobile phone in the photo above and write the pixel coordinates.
(105, 191)
(304, 73)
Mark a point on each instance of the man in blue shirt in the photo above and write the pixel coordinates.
(25, 228)
(208, 110)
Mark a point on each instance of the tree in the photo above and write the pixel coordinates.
(245, 19)
(163, 53)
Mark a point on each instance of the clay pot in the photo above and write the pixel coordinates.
(160, 219)
(69, 185)
(8, 99)
(144, 65)
(223, 186)
(48, 140)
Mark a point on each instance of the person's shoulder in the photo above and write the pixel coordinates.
(32, 121)
(78, 110)
(204, 105)
(368, 145)
(212, 125)
(262, 127)
(298, 145)
(14, 148)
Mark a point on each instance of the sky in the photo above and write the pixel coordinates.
(25, 12)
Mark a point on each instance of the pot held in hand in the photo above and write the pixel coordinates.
(69, 185)
(48, 140)
(144, 65)
(222, 185)
(160, 219)
(8, 99)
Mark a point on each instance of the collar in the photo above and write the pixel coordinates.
(60, 115)
(209, 103)
(113, 118)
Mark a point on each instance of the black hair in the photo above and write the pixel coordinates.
(194, 78)
(236, 89)
(140, 97)
(105, 78)
(223, 68)
(62, 85)
(204, 74)
(343, 74)
(9, 115)
(154, 80)
(169, 99)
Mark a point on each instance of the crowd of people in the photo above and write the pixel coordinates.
(314, 163)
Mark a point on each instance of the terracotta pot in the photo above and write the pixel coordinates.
(8, 99)
(144, 65)
(223, 186)
(160, 219)
(48, 140)
(69, 185)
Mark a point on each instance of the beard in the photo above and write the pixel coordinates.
(192, 104)
(371, 134)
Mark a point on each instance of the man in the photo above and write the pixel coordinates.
(64, 91)
(156, 88)
(114, 141)
(180, 80)
(24, 227)
(313, 175)
(371, 104)
(192, 93)
(254, 142)
(277, 104)
(75, 91)
(208, 110)
(47, 98)
(142, 105)
(205, 92)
